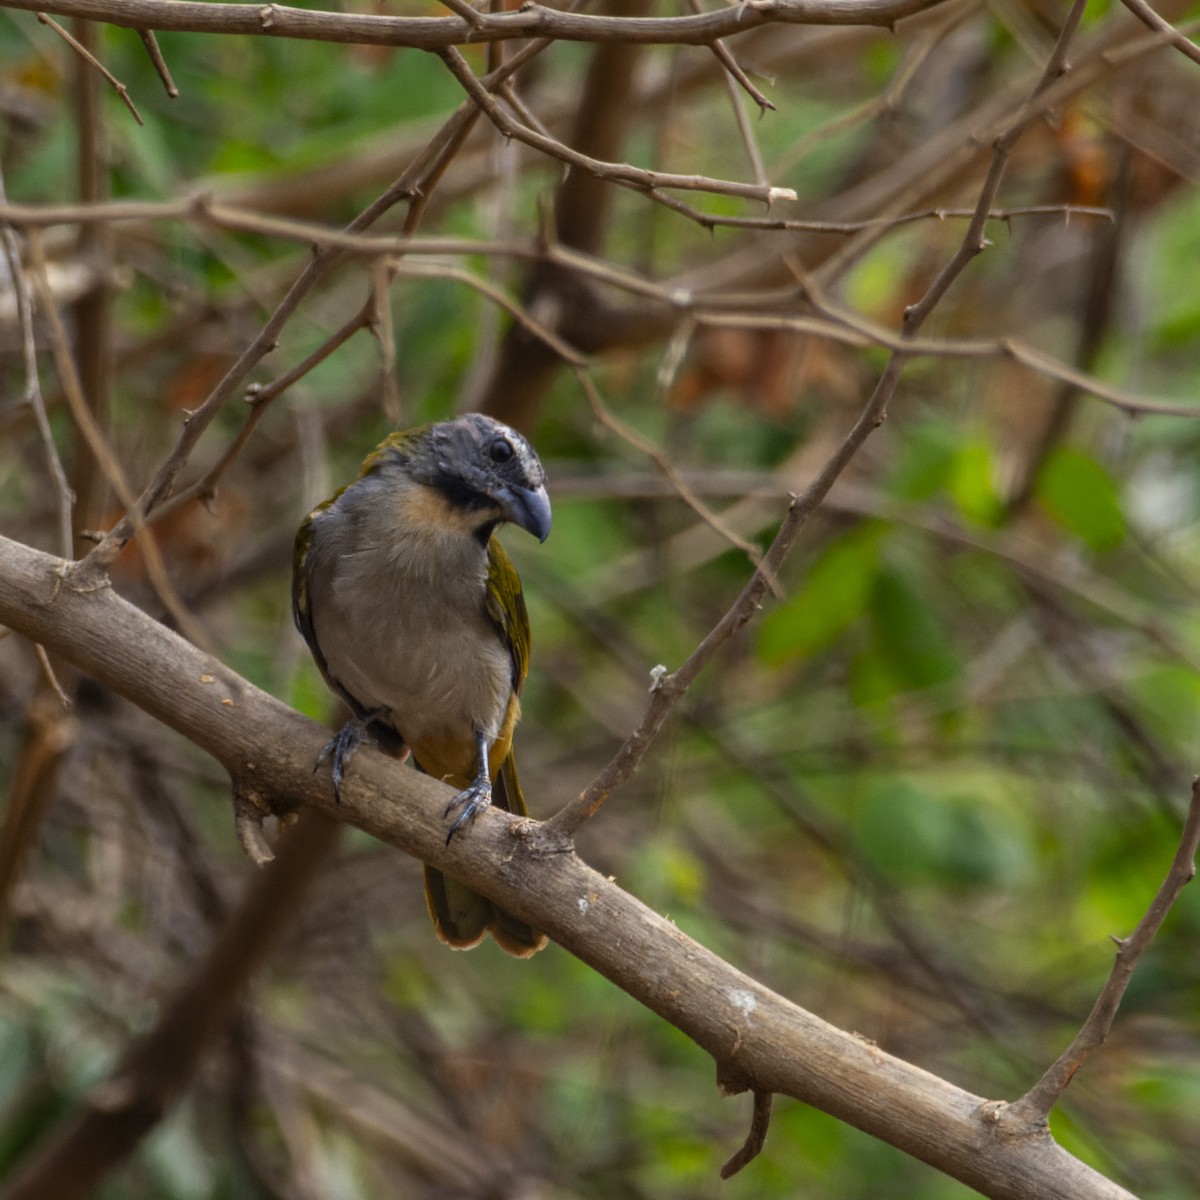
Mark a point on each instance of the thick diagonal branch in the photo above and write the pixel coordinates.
(755, 1035)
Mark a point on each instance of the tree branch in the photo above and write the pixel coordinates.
(438, 33)
(758, 1039)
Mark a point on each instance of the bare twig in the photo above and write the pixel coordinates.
(204, 210)
(974, 242)
(881, 224)
(383, 331)
(261, 394)
(627, 433)
(33, 389)
(498, 296)
(737, 75)
(735, 72)
(50, 677)
(93, 62)
(1035, 1105)
(260, 399)
(156, 571)
(1152, 20)
(159, 63)
(648, 182)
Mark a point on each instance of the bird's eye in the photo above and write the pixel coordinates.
(501, 450)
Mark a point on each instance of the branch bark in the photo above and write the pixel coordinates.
(437, 33)
(759, 1040)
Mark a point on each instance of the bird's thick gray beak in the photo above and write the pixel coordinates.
(529, 508)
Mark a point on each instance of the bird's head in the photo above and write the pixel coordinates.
(479, 469)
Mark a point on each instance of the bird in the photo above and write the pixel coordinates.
(415, 616)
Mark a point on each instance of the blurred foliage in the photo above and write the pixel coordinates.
(916, 797)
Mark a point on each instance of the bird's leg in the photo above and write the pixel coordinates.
(342, 745)
(478, 796)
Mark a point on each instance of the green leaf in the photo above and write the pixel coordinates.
(958, 841)
(1081, 496)
(900, 830)
(926, 463)
(908, 636)
(832, 598)
(972, 485)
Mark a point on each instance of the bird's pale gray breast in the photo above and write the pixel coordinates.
(398, 614)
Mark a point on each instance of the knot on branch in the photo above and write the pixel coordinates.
(81, 577)
(1015, 1120)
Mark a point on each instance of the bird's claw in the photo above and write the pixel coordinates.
(341, 748)
(472, 801)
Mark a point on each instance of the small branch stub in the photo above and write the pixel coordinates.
(250, 809)
(755, 1140)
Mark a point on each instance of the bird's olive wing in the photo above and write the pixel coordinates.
(506, 608)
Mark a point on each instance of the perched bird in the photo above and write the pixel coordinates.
(414, 614)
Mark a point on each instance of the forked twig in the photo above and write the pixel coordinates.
(93, 62)
(974, 242)
(260, 399)
(647, 182)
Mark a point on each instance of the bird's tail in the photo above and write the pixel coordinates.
(462, 916)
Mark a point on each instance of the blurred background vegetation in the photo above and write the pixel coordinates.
(916, 797)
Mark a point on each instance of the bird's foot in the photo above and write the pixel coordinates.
(341, 748)
(472, 802)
